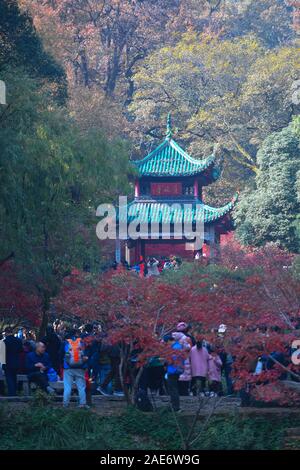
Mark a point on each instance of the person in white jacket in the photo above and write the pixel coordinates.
(152, 266)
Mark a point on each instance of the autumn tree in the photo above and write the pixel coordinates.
(105, 46)
(20, 46)
(101, 41)
(19, 303)
(256, 293)
(134, 313)
(80, 297)
(233, 92)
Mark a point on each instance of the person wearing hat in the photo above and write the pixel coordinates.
(152, 266)
(222, 330)
(183, 327)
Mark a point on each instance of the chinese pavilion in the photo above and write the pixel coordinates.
(169, 180)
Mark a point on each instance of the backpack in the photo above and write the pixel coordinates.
(52, 375)
(74, 354)
(142, 401)
(177, 367)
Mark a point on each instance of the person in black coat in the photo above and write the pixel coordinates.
(14, 348)
(53, 347)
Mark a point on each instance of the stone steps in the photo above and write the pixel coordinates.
(113, 404)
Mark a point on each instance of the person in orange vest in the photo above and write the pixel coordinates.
(75, 362)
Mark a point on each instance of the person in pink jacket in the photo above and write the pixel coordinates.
(199, 357)
(214, 373)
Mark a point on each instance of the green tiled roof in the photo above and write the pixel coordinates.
(165, 213)
(169, 159)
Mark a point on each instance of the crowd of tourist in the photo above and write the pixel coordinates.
(196, 368)
(151, 266)
(66, 354)
(83, 356)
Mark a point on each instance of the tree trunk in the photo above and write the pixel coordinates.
(45, 316)
(123, 373)
(130, 91)
(84, 69)
(112, 72)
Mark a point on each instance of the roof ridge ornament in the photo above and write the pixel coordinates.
(169, 127)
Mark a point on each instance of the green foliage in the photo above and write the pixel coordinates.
(296, 267)
(160, 429)
(200, 273)
(52, 178)
(53, 428)
(243, 434)
(296, 125)
(41, 398)
(269, 212)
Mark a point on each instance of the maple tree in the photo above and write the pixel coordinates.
(134, 313)
(256, 293)
(79, 296)
(259, 301)
(19, 304)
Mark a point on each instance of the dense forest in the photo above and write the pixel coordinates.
(225, 69)
(89, 85)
